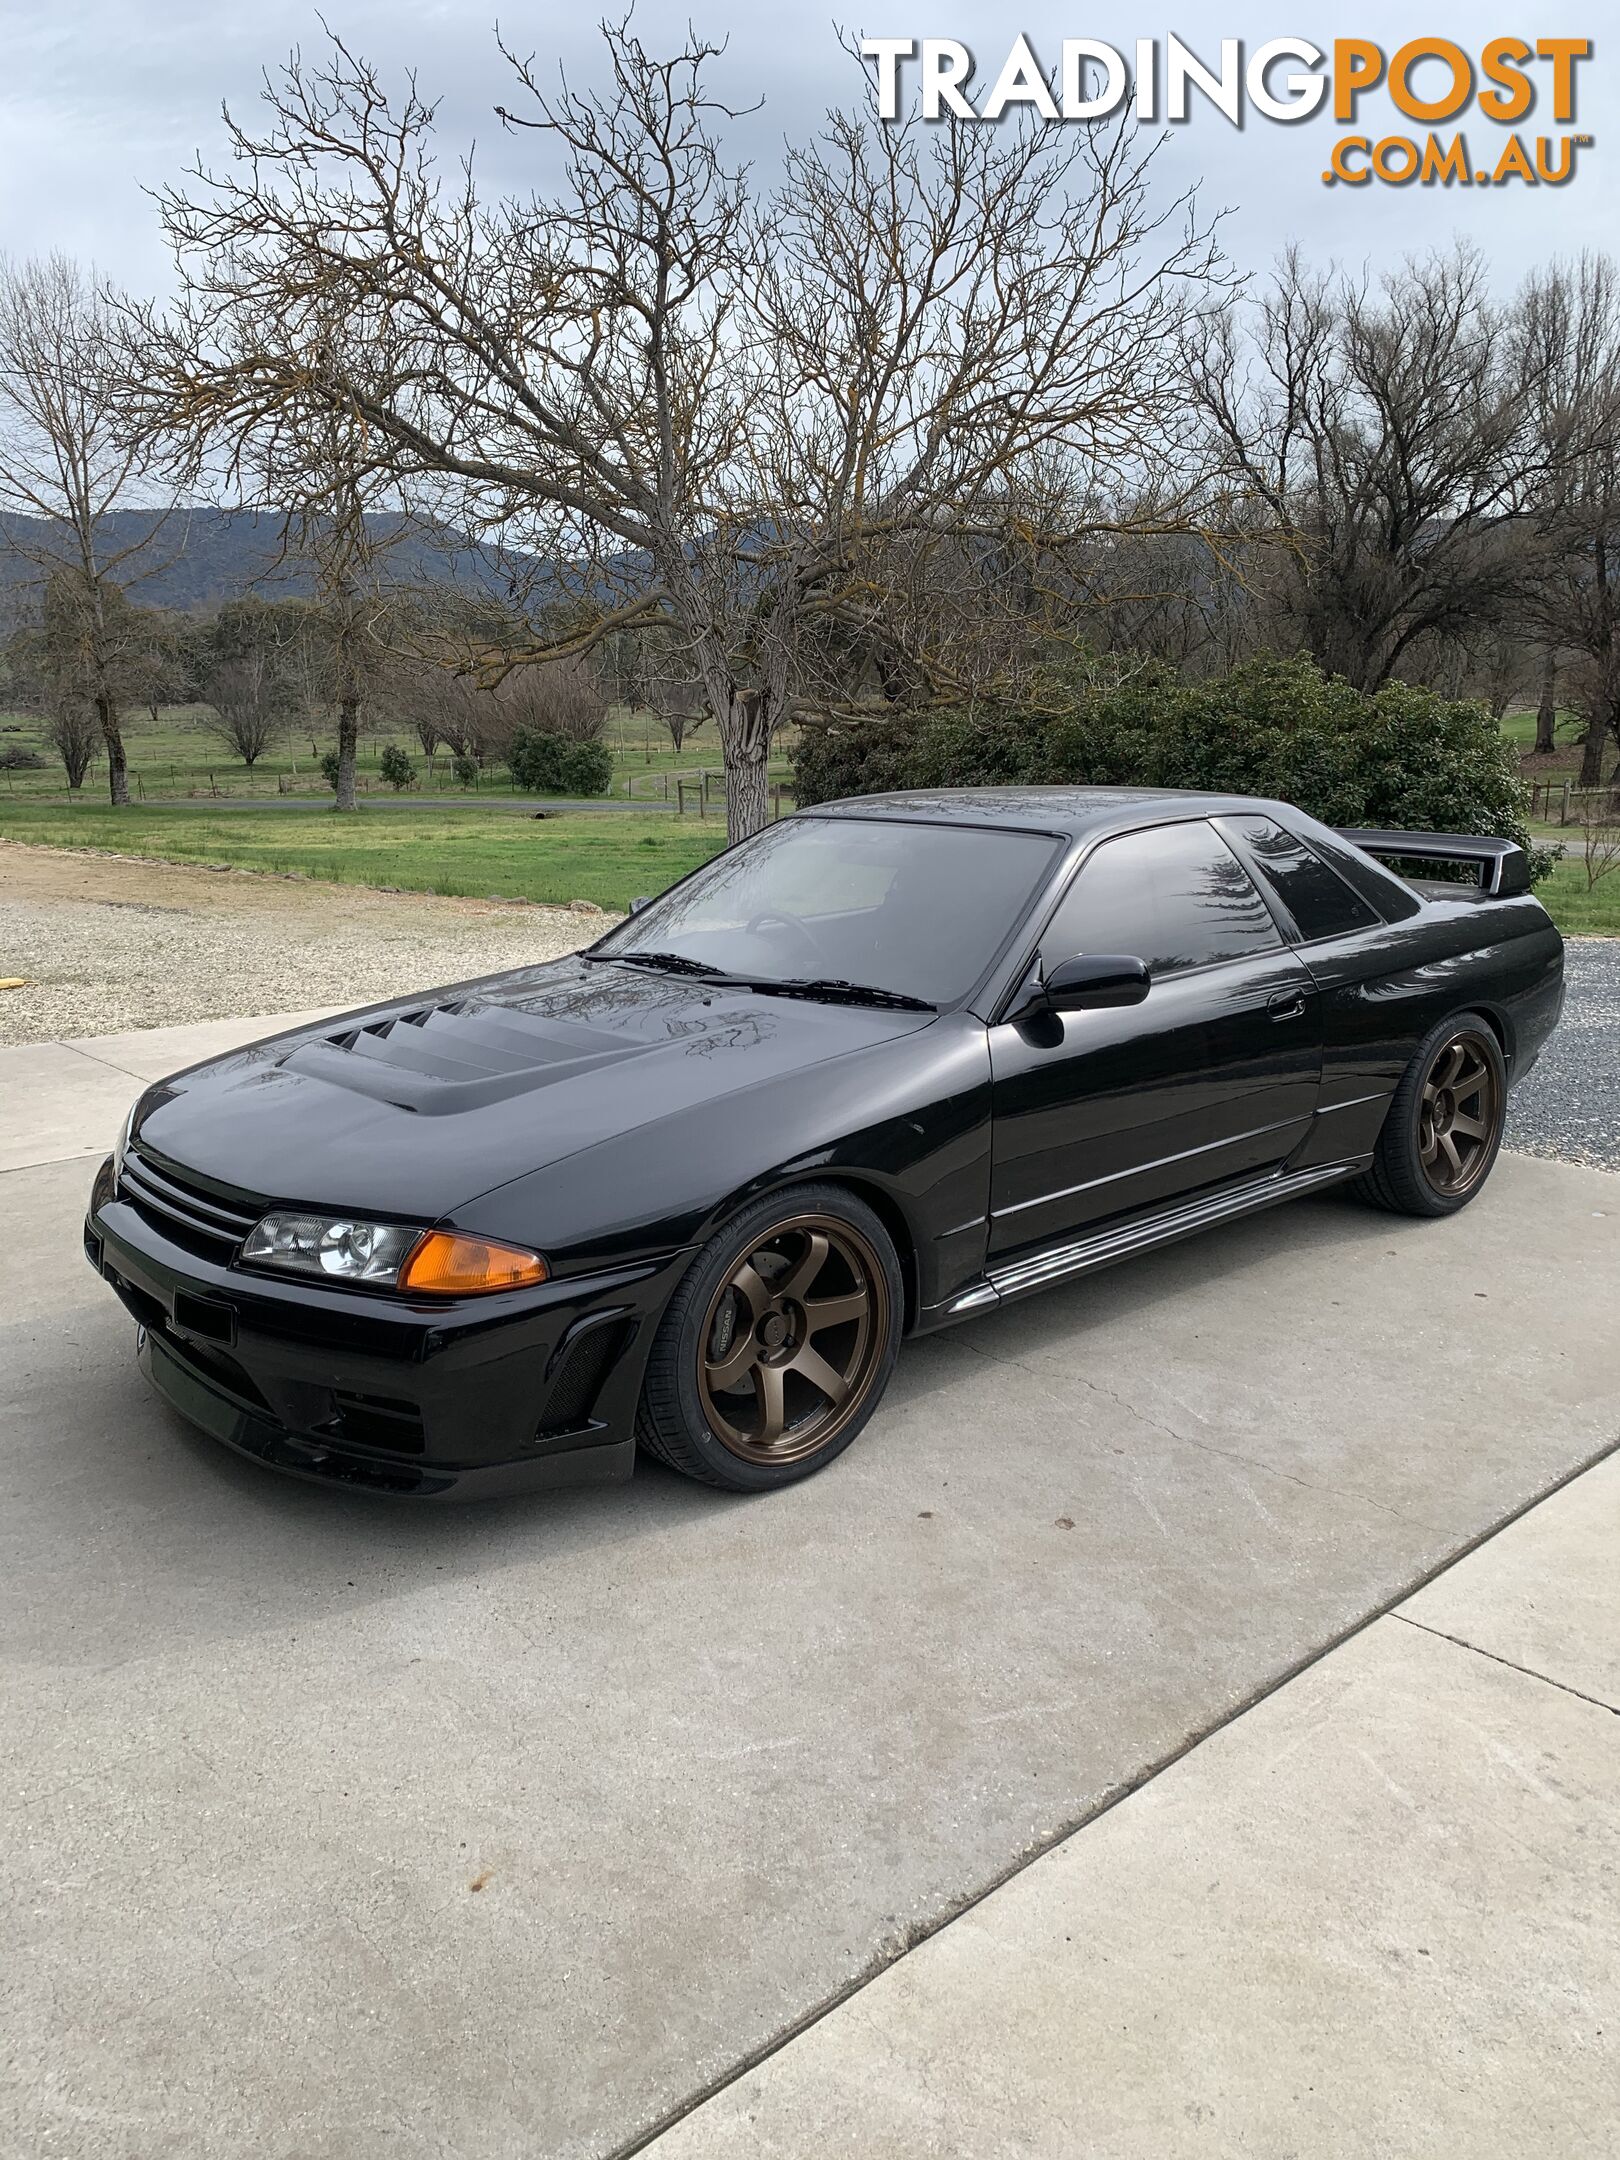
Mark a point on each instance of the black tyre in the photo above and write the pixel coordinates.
(778, 1344)
(1444, 1127)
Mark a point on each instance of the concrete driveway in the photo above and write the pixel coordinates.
(339, 1829)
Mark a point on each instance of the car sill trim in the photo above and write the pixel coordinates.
(1078, 1256)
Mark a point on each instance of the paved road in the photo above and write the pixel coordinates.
(342, 1830)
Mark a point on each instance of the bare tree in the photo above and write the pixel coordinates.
(560, 697)
(239, 392)
(749, 424)
(45, 678)
(652, 674)
(246, 704)
(246, 661)
(65, 466)
(158, 672)
(305, 672)
(1498, 666)
(1384, 437)
(1570, 565)
(70, 726)
(1600, 833)
(438, 704)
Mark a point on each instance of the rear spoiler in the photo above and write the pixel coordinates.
(1502, 865)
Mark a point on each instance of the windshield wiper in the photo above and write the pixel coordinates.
(669, 963)
(830, 988)
(835, 991)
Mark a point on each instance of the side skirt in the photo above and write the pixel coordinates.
(1063, 1257)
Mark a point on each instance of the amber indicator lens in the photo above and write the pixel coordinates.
(450, 1263)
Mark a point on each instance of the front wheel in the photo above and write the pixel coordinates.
(1444, 1126)
(778, 1343)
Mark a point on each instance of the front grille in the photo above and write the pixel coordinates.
(202, 1220)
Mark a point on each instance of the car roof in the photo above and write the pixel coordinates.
(1074, 812)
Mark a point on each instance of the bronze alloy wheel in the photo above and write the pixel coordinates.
(1458, 1114)
(793, 1339)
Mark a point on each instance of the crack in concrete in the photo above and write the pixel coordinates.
(1530, 1671)
(125, 1072)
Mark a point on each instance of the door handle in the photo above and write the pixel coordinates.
(1287, 1005)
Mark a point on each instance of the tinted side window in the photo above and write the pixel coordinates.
(1318, 898)
(1176, 897)
(1390, 897)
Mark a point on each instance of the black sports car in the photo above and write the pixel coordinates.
(888, 1064)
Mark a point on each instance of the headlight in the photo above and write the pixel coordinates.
(339, 1248)
(336, 1247)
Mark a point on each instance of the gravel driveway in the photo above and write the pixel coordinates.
(1570, 1105)
(108, 943)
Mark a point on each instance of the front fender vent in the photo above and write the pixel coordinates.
(584, 1365)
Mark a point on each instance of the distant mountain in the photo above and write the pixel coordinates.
(202, 555)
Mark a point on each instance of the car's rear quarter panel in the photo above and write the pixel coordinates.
(1383, 990)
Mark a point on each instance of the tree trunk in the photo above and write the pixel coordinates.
(1597, 730)
(747, 795)
(117, 764)
(348, 740)
(1547, 710)
(745, 747)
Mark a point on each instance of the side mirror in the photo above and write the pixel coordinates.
(1091, 981)
(642, 900)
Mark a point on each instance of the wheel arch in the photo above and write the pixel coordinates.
(1501, 1026)
(877, 1196)
(893, 1217)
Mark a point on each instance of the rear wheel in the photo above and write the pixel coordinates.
(776, 1347)
(1444, 1127)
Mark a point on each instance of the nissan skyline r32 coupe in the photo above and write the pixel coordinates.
(888, 1064)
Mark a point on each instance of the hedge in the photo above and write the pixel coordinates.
(1401, 757)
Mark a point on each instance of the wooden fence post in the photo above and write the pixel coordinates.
(1564, 814)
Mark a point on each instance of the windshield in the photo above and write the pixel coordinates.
(901, 906)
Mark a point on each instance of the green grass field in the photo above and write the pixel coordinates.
(605, 856)
(177, 759)
(178, 770)
(1577, 911)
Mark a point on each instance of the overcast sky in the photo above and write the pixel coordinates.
(101, 97)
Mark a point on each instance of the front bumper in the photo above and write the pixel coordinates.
(426, 1399)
